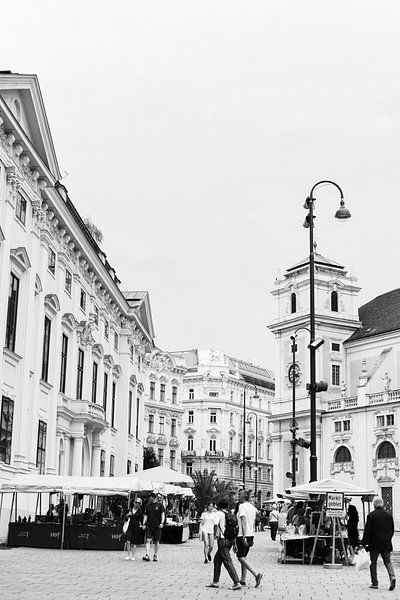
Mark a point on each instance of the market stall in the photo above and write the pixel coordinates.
(94, 521)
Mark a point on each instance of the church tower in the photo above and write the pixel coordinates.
(336, 319)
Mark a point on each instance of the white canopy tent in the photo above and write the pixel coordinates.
(324, 486)
(164, 475)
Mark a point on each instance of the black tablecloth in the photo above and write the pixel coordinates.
(35, 535)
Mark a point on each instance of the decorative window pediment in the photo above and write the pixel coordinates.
(117, 371)
(175, 382)
(2, 237)
(69, 321)
(108, 361)
(20, 258)
(38, 285)
(133, 380)
(52, 304)
(98, 350)
(140, 388)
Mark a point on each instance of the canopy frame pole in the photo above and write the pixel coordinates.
(63, 525)
(1, 504)
(37, 503)
(16, 501)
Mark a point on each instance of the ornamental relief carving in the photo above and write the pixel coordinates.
(85, 332)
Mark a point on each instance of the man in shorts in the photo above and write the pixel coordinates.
(153, 522)
(246, 518)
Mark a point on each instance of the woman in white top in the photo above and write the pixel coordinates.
(207, 523)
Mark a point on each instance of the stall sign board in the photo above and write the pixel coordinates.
(335, 504)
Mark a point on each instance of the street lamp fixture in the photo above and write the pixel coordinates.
(256, 396)
(342, 214)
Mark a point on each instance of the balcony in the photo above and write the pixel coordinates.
(214, 454)
(234, 455)
(89, 413)
(151, 438)
(188, 453)
(346, 467)
(342, 403)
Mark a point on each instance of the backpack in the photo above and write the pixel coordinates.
(231, 526)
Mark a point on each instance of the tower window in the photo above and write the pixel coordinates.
(334, 301)
(293, 302)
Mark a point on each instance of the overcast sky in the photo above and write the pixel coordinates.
(191, 133)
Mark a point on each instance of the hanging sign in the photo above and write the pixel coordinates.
(335, 504)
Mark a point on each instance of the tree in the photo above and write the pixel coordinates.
(94, 230)
(149, 458)
(203, 489)
(225, 489)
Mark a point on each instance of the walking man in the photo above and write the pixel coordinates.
(246, 519)
(153, 522)
(225, 531)
(377, 539)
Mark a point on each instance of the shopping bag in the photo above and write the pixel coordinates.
(362, 560)
(125, 526)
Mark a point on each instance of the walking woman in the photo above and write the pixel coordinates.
(207, 522)
(352, 527)
(273, 521)
(134, 535)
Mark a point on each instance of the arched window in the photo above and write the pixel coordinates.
(190, 443)
(386, 450)
(293, 301)
(213, 444)
(342, 455)
(334, 301)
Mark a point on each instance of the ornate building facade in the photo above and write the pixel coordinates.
(216, 388)
(77, 349)
(357, 418)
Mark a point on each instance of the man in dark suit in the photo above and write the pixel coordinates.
(377, 538)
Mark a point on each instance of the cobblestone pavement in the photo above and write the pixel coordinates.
(179, 574)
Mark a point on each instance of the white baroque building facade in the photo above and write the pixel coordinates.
(215, 389)
(78, 351)
(357, 418)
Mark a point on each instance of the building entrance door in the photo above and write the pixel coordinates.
(387, 497)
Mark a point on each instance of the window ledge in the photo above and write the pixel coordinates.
(46, 385)
(12, 355)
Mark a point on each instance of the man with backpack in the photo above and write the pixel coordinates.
(226, 530)
(246, 520)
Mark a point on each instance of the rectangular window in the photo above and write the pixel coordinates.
(6, 426)
(162, 392)
(152, 390)
(41, 448)
(82, 300)
(174, 394)
(96, 315)
(338, 426)
(161, 456)
(94, 381)
(68, 281)
(64, 357)
(346, 425)
(151, 423)
(389, 420)
(380, 421)
(105, 391)
(213, 394)
(191, 394)
(189, 468)
(106, 329)
(335, 374)
(161, 424)
(173, 427)
(191, 416)
(116, 340)
(20, 209)
(112, 465)
(130, 412)
(128, 467)
(52, 261)
(231, 419)
(213, 416)
(102, 463)
(46, 349)
(12, 310)
(79, 374)
(137, 417)
(113, 392)
(335, 347)
(172, 457)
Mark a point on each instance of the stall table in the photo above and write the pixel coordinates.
(175, 533)
(35, 535)
(294, 537)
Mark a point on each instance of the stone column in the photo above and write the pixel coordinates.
(77, 456)
(96, 451)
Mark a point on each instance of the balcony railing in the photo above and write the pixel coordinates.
(216, 453)
(186, 453)
(387, 396)
(342, 403)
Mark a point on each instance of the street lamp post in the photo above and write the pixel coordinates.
(255, 452)
(244, 435)
(342, 213)
(294, 423)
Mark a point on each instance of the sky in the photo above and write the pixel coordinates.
(191, 133)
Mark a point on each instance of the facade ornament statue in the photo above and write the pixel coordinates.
(343, 390)
(159, 362)
(85, 335)
(387, 380)
(38, 212)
